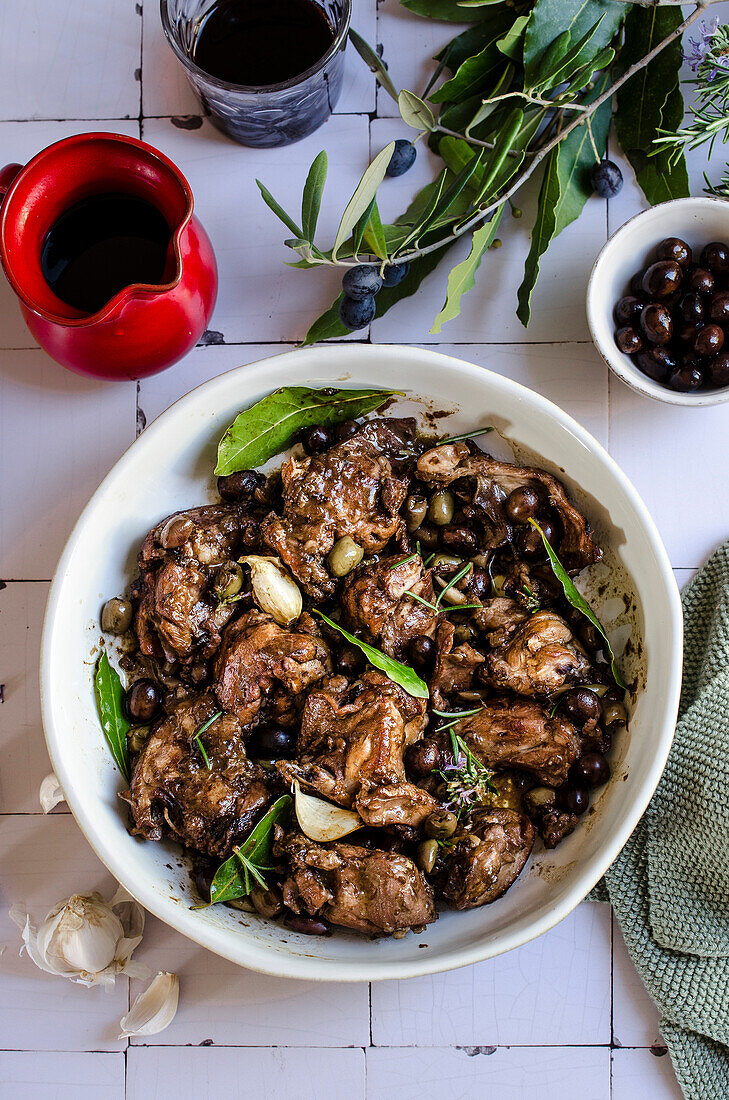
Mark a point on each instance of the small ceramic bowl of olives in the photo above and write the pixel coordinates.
(658, 302)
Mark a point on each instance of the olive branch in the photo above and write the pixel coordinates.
(523, 98)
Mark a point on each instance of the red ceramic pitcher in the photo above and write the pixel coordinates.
(143, 328)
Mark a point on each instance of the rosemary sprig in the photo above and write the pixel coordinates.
(206, 726)
(533, 603)
(466, 435)
(467, 782)
(403, 561)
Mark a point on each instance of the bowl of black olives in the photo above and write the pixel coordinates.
(658, 305)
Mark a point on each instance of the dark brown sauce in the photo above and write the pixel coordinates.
(254, 43)
(102, 244)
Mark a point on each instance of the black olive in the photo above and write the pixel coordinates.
(574, 799)
(271, 742)
(529, 541)
(581, 705)
(720, 308)
(656, 323)
(686, 379)
(690, 360)
(628, 310)
(673, 248)
(479, 583)
(592, 770)
(709, 340)
(421, 650)
(240, 485)
(628, 340)
(692, 308)
(310, 926)
(459, 539)
(315, 440)
(345, 430)
(522, 504)
(350, 662)
(427, 536)
(661, 279)
(686, 332)
(656, 363)
(718, 370)
(700, 280)
(636, 283)
(715, 256)
(422, 757)
(143, 701)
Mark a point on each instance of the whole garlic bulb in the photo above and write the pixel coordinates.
(85, 938)
(273, 589)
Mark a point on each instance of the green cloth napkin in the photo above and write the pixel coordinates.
(669, 887)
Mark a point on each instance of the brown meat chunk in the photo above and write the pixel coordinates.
(512, 732)
(355, 735)
(493, 481)
(542, 657)
(554, 826)
(375, 602)
(350, 489)
(364, 889)
(401, 804)
(179, 617)
(173, 793)
(455, 667)
(499, 619)
(263, 670)
(486, 858)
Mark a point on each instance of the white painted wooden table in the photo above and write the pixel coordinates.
(564, 1018)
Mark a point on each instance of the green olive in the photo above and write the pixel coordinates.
(176, 532)
(228, 580)
(416, 509)
(344, 556)
(266, 902)
(441, 507)
(243, 904)
(441, 824)
(538, 798)
(446, 559)
(426, 854)
(137, 738)
(116, 615)
(614, 714)
(464, 633)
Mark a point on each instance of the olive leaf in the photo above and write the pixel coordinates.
(279, 211)
(109, 703)
(511, 43)
(576, 16)
(414, 111)
(565, 188)
(269, 426)
(311, 198)
(652, 101)
(373, 62)
(472, 76)
(328, 326)
(461, 278)
(233, 878)
(400, 674)
(364, 193)
(374, 233)
(579, 602)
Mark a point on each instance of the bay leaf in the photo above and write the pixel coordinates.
(110, 706)
(231, 880)
(269, 426)
(400, 674)
(551, 18)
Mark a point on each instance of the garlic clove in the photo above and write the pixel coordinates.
(274, 590)
(50, 793)
(84, 940)
(154, 1009)
(321, 820)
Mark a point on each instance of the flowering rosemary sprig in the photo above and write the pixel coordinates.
(709, 58)
(467, 782)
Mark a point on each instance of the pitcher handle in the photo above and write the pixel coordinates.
(7, 175)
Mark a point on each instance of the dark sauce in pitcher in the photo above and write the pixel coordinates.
(102, 244)
(260, 42)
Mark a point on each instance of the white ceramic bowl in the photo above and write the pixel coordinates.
(696, 221)
(170, 467)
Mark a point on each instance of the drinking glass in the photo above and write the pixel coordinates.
(273, 114)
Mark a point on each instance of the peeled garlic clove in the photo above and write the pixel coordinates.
(321, 820)
(273, 589)
(50, 793)
(154, 1009)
